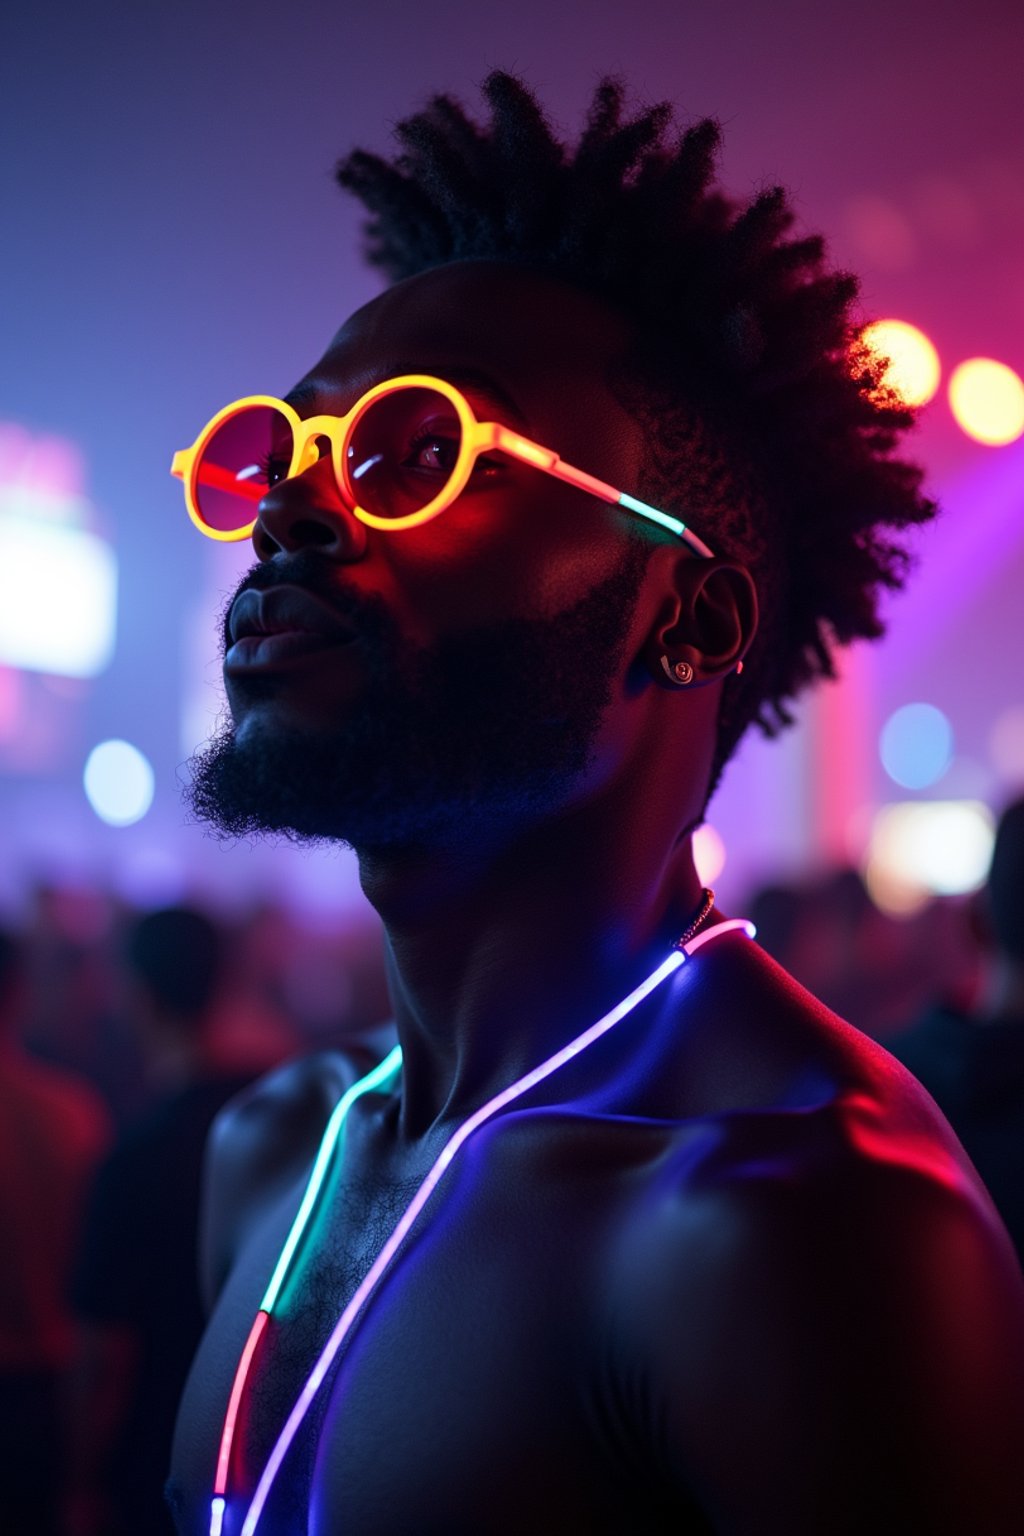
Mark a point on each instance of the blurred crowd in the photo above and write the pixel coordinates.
(123, 1032)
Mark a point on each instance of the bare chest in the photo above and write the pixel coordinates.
(469, 1395)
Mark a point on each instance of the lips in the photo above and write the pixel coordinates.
(273, 626)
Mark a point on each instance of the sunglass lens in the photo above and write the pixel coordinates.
(402, 451)
(247, 454)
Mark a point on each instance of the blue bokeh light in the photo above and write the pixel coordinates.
(118, 782)
(916, 745)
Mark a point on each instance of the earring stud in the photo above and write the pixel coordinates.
(679, 672)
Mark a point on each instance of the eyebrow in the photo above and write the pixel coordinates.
(473, 380)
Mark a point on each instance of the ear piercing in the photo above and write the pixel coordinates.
(680, 672)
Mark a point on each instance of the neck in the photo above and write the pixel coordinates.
(500, 955)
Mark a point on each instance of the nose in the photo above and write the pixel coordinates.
(307, 512)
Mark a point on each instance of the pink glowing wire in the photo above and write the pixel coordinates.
(426, 1189)
(220, 1482)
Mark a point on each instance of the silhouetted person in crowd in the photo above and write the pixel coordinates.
(721, 1266)
(972, 1062)
(136, 1284)
(53, 1129)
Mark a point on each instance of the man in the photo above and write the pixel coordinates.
(972, 1062)
(724, 1269)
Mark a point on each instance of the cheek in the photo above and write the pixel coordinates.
(479, 564)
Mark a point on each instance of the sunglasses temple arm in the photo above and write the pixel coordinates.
(543, 458)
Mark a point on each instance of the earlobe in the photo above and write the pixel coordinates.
(708, 627)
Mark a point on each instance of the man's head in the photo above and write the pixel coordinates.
(506, 657)
(175, 956)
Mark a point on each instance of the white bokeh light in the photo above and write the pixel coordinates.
(118, 781)
(58, 592)
(708, 854)
(921, 849)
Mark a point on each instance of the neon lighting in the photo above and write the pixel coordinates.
(389, 1067)
(735, 924)
(376, 1272)
(220, 1481)
(373, 1079)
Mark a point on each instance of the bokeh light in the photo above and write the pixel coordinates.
(708, 854)
(916, 745)
(987, 399)
(118, 781)
(920, 849)
(914, 369)
(1006, 744)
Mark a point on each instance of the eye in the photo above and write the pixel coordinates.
(274, 468)
(433, 451)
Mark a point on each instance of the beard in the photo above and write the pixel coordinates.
(488, 728)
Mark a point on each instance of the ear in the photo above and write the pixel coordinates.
(708, 618)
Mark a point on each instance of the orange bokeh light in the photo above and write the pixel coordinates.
(987, 399)
(914, 369)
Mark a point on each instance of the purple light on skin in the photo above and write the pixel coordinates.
(362, 1295)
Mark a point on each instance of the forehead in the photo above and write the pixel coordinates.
(551, 348)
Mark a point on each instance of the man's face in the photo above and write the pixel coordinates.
(484, 651)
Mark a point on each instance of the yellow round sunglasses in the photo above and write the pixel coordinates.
(401, 455)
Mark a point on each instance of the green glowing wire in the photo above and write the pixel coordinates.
(376, 1079)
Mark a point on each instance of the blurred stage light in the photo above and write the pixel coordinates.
(987, 399)
(708, 854)
(914, 368)
(58, 597)
(920, 849)
(118, 782)
(58, 581)
(916, 745)
(1006, 744)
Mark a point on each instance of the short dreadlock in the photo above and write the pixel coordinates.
(768, 426)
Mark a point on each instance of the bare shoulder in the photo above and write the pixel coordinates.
(261, 1143)
(828, 1311)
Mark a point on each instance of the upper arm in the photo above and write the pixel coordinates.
(840, 1352)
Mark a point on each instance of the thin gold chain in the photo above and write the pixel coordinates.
(707, 902)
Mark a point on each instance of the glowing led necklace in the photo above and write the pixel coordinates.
(382, 1077)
